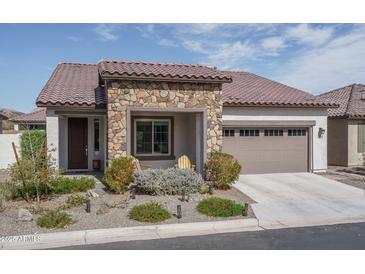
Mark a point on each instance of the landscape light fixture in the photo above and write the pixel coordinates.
(178, 212)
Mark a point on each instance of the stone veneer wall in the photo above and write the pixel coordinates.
(124, 94)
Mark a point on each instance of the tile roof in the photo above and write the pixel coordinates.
(38, 116)
(182, 72)
(351, 101)
(250, 89)
(73, 84)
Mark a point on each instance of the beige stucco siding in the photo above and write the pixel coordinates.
(354, 158)
(337, 142)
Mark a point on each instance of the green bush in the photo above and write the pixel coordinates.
(31, 143)
(64, 185)
(74, 201)
(149, 213)
(222, 169)
(218, 207)
(119, 175)
(55, 219)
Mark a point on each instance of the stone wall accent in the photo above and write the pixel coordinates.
(124, 94)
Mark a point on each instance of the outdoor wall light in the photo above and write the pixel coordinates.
(321, 132)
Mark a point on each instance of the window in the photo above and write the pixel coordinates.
(249, 132)
(96, 135)
(152, 137)
(228, 132)
(297, 132)
(274, 132)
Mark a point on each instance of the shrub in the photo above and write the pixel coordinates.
(218, 207)
(31, 143)
(150, 213)
(55, 219)
(74, 201)
(169, 181)
(8, 191)
(119, 175)
(64, 185)
(223, 169)
(204, 189)
(36, 209)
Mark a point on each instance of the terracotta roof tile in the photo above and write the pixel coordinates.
(166, 71)
(36, 116)
(250, 89)
(73, 84)
(351, 101)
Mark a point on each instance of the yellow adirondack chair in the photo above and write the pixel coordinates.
(184, 162)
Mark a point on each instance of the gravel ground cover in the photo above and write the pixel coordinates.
(346, 178)
(115, 214)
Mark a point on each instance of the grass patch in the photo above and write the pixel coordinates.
(218, 207)
(64, 185)
(55, 219)
(74, 201)
(149, 213)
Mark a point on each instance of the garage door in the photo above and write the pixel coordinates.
(268, 150)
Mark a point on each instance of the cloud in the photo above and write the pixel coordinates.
(339, 62)
(73, 38)
(273, 44)
(167, 42)
(107, 32)
(314, 36)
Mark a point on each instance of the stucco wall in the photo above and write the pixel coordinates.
(354, 158)
(338, 142)
(276, 114)
(6, 150)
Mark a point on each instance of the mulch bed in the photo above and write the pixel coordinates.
(119, 206)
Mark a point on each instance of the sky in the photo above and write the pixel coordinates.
(312, 57)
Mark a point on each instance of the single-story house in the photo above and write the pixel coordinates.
(2, 117)
(346, 125)
(36, 119)
(158, 112)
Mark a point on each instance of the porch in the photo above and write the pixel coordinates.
(158, 137)
(77, 139)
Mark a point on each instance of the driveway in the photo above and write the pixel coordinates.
(302, 199)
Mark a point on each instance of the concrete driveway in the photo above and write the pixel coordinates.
(302, 199)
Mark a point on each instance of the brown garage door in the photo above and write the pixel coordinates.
(268, 150)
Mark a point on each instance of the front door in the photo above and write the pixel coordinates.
(77, 143)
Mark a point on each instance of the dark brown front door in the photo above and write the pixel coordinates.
(77, 143)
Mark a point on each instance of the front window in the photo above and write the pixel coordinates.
(152, 137)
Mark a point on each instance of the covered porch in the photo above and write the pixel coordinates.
(77, 139)
(158, 137)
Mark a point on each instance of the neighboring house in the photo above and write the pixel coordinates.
(158, 112)
(2, 117)
(346, 125)
(29, 121)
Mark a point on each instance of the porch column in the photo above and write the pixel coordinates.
(53, 136)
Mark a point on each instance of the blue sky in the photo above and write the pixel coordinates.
(312, 57)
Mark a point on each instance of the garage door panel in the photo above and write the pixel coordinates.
(268, 154)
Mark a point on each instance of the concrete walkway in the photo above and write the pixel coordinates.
(302, 199)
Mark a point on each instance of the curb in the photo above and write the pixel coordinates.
(151, 232)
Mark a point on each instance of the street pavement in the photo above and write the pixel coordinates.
(342, 237)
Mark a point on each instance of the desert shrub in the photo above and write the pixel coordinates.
(204, 189)
(8, 191)
(31, 143)
(223, 169)
(74, 201)
(55, 219)
(150, 213)
(63, 185)
(169, 181)
(119, 175)
(36, 209)
(218, 207)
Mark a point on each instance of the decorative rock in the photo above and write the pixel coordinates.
(24, 215)
(164, 93)
(92, 193)
(103, 210)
